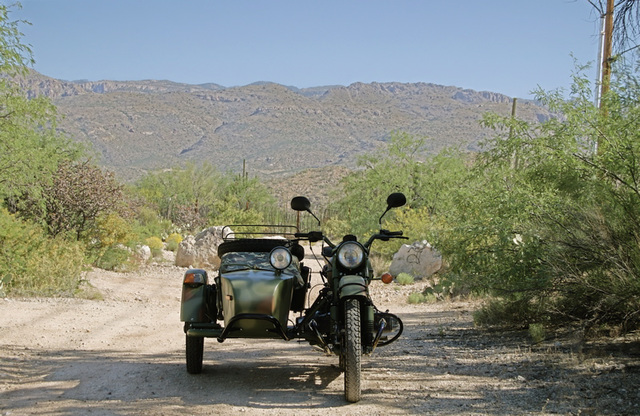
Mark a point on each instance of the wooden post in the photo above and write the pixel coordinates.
(514, 162)
(607, 50)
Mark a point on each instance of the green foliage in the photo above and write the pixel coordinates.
(392, 169)
(116, 258)
(156, 246)
(241, 201)
(15, 56)
(200, 195)
(30, 147)
(32, 264)
(515, 311)
(538, 221)
(182, 196)
(446, 289)
(537, 332)
(149, 223)
(404, 279)
(112, 229)
(550, 227)
(77, 196)
(416, 297)
(428, 183)
(173, 241)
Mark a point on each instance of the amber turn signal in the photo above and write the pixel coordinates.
(386, 278)
(193, 279)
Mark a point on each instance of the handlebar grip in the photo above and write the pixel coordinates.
(392, 233)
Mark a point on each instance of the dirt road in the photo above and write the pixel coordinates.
(124, 355)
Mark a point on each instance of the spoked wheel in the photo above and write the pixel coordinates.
(195, 350)
(352, 351)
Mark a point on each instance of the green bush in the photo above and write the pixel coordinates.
(112, 229)
(116, 258)
(405, 279)
(537, 333)
(156, 246)
(149, 223)
(508, 311)
(173, 241)
(32, 264)
(416, 297)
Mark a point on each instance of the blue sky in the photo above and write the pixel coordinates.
(506, 46)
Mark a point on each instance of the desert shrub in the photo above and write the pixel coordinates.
(33, 264)
(416, 297)
(405, 279)
(173, 241)
(150, 223)
(509, 311)
(112, 229)
(156, 246)
(379, 263)
(537, 333)
(116, 258)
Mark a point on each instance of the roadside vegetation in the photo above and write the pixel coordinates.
(542, 222)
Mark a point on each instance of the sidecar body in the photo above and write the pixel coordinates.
(258, 283)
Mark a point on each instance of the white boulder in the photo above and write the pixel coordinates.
(144, 252)
(418, 259)
(201, 250)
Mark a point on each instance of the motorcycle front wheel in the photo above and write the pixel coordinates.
(195, 350)
(352, 351)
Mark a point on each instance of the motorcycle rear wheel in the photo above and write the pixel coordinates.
(352, 351)
(195, 350)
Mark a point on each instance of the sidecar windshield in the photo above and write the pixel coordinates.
(244, 260)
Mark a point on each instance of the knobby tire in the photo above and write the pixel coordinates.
(195, 350)
(352, 351)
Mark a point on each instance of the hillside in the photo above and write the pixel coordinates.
(136, 126)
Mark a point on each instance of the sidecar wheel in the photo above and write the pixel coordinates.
(195, 350)
(352, 351)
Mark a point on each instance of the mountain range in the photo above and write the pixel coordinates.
(274, 130)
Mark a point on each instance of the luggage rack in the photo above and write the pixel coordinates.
(253, 231)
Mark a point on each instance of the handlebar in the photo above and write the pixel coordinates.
(391, 233)
(312, 236)
(384, 235)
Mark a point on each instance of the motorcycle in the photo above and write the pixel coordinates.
(262, 279)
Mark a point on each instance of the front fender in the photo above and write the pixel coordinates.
(351, 286)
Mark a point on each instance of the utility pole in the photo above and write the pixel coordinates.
(607, 50)
(514, 162)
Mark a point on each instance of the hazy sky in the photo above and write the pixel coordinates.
(506, 46)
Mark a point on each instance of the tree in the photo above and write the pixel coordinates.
(558, 239)
(77, 195)
(30, 147)
(14, 55)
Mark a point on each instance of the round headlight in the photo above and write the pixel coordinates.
(280, 258)
(351, 255)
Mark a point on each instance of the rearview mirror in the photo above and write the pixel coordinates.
(300, 203)
(396, 199)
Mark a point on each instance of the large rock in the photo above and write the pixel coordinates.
(201, 250)
(144, 252)
(418, 259)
